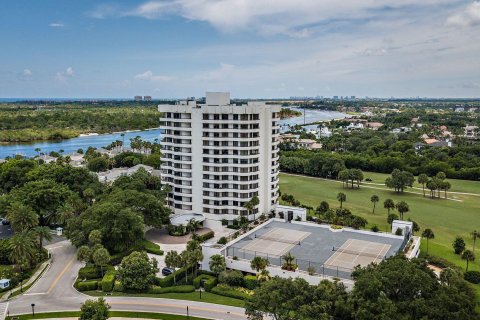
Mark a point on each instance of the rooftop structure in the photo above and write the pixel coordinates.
(217, 156)
(115, 173)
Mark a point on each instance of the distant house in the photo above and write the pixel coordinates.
(460, 109)
(374, 125)
(46, 158)
(76, 159)
(355, 126)
(324, 132)
(401, 130)
(472, 110)
(115, 173)
(471, 131)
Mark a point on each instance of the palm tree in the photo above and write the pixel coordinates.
(264, 275)
(423, 179)
(249, 206)
(217, 263)
(342, 197)
(173, 260)
(21, 217)
(258, 263)
(64, 213)
(42, 233)
(374, 199)
(402, 207)
(289, 265)
(389, 204)
(475, 235)
(123, 140)
(468, 256)
(255, 202)
(428, 234)
(22, 249)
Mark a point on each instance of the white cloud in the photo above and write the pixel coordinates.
(264, 16)
(62, 76)
(56, 25)
(468, 17)
(27, 72)
(149, 76)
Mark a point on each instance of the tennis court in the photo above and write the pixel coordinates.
(355, 252)
(312, 245)
(277, 241)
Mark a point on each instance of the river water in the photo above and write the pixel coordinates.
(97, 141)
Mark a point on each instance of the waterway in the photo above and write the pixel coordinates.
(97, 141)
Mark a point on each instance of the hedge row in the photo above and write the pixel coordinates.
(151, 247)
(208, 282)
(92, 272)
(108, 280)
(141, 245)
(230, 292)
(206, 236)
(87, 285)
(176, 289)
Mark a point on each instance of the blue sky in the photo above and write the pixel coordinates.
(253, 48)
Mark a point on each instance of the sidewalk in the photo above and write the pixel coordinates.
(6, 294)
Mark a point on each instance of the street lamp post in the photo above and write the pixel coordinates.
(33, 309)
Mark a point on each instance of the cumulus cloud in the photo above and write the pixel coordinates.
(468, 17)
(150, 76)
(63, 75)
(27, 72)
(56, 25)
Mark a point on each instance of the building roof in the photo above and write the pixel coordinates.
(374, 124)
(430, 141)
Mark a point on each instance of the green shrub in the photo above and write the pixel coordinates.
(230, 292)
(108, 280)
(224, 222)
(440, 262)
(87, 285)
(176, 289)
(206, 236)
(92, 272)
(118, 287)
(232, 278)
(151, 247)
(472, 276)
(208, 282)
(250, 282)
(222, 240)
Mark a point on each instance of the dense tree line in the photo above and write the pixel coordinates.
(23, 124)
(382, 152)
(394, 289)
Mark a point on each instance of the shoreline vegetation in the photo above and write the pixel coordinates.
(24, 123)
(286, 113)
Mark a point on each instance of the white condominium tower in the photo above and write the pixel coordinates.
(217, 156)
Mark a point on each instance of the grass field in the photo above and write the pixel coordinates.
(447, 218)
(192, 296)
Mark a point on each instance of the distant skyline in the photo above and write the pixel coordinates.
(252, 48)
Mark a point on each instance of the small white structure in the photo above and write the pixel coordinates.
(184, 218)
(406, 226)
(59, 231)
(291, 213)
(4, 283)
(115, 173)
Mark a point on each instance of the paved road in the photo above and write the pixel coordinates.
(54, 292)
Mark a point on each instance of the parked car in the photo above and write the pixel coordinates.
(167, 271)
(5, 222)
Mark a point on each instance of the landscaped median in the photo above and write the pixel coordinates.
(122, 314)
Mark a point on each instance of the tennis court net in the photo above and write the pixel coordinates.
(360, 253)
(259, 236)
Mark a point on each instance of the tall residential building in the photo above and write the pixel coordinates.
(217, 156)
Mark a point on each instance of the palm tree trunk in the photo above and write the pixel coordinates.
(423, 186)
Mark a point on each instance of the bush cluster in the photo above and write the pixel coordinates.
(92, 272)
(206, 236)
(472, 277)
(87, 285)
(232, 278)
(251, 282)
(208, 282)
(108, 280)
(228, 291)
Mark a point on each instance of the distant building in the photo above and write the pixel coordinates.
(147, 98)
(460, 109)
(335, 97)
(374, 125)
(115, 173)
(471, 131)
(137, 98)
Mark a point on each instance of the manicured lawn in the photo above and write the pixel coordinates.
(125, 314)
(446, 218)
(192, 296)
